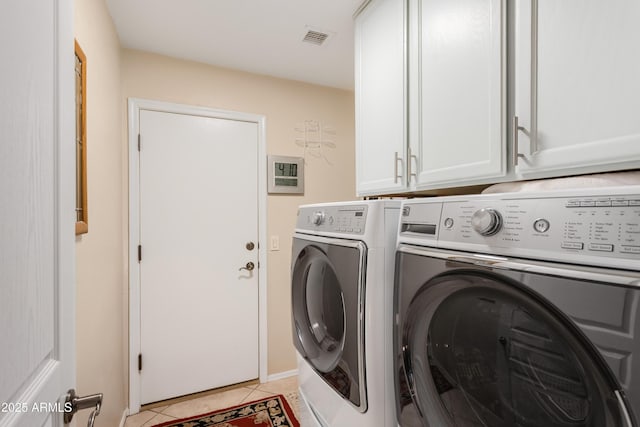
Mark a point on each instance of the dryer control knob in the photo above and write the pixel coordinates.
(487, 221)
(318, 217)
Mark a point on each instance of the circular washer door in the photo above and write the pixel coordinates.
(480, 351)
(318, 309)
(327, 301)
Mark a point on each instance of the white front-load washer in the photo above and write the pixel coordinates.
(342, 293)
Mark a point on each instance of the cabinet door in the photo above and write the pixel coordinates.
(380, 87)
(577, 86)
(458, 87)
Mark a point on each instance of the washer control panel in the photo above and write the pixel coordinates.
(349, 219)
(557, 227)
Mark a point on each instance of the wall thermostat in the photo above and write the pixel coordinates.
(286, 174)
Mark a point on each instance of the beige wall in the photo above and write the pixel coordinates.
(101, 278)
(285, 104)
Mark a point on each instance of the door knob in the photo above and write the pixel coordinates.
(77, 403)
(250, 246)
(249, 267)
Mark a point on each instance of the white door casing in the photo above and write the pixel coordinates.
(180, 161)
(37, 176)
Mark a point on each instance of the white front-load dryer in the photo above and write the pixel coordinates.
(342, 293)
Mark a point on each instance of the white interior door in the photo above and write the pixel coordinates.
(37, 313)
(198, 212)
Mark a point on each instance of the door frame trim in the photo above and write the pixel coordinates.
(133, 114)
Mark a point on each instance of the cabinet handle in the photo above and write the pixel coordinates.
(395, 166)
(410, 166)
(516, 129)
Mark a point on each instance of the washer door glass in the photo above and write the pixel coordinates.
(482, 352)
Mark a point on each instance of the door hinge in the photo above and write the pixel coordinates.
(140, 362)
(138, 142)
(139, 253)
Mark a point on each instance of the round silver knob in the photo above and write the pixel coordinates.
(318, 218)
(486, 222)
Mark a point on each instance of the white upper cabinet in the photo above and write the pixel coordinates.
(380, 96)
(457, 92)
(466, 92)
(577, 86)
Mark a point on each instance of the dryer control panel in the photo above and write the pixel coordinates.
(591, 228)
(350, 219)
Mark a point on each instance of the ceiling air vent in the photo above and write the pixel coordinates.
(315, 37)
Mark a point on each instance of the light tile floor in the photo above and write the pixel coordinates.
(214, 401)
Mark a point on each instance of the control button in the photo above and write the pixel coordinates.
(600, 247)
(630, 249)
(634, 202)
(572, 245)
(330, 220)
(618, 203)
(350, 230)
(541, 225)
(486, 222)
(603, 203)
(448, 223)
(358, 230)
(573, 204)
(588, 204)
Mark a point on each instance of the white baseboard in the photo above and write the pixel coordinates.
(125, 414)
(282, 375)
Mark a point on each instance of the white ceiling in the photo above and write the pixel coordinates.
(259, 36)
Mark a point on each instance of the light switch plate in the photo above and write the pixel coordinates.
(274, 244)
